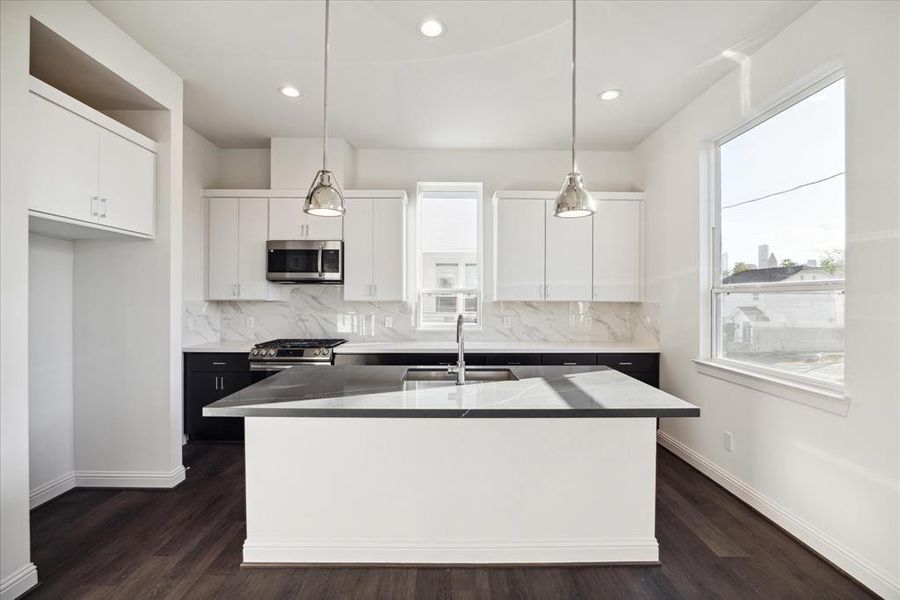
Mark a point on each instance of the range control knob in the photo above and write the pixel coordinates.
(318, 352)
(254, 352)
(271, 353)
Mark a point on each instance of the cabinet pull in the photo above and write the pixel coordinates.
(513, 363)
(546, 292)
(103, 207)
(624, 364)
(95, 211)
(570, 364)
(219, 364)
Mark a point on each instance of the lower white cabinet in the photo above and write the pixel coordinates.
(287, 221)
(375, 246)
(539, 257)
(87, 170)
(236, 260)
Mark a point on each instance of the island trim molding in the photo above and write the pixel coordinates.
(274, 551)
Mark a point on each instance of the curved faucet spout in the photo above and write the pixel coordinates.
(461, 356)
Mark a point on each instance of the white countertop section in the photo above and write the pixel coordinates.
(237, 347)
(494, 347)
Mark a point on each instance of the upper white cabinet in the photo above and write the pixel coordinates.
(375, 246)
(287, 221)
(88, 172)
(617, 250)
(541, 257)
(568, 262)
(519, 248)
(236, 267)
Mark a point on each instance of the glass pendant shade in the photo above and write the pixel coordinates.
(324, 198)
(574, 200)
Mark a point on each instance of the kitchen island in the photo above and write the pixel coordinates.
(390, 464)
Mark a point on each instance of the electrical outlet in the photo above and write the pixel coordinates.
(588, 321)
(507, 322)
(728, 441)
(388, 321)
(249, 322)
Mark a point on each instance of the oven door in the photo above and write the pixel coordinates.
(305, 261)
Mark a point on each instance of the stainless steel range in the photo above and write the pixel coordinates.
(277, 355)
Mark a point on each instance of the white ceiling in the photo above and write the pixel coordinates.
(498, 78)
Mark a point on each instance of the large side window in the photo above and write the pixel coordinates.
(778, 285)
(449, 254)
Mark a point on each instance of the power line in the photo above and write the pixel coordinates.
(802, 185)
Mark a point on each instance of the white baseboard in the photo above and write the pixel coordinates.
(51, 489)
(18, 582)
(844, 558)
(373, 551)
(130, 479)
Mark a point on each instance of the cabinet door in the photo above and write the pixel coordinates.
(127, 184)
(358, 256)
(63, 162)
(324, 228)
(253, 219)
(206, 388)
(222, 255)
(389, 249)
(617, 251)
(286, 220)
(519, 249)
(569, 257)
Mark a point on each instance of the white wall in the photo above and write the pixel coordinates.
(830, 480)
(246, 168)
(51, 409)
(294, 162)
(87, 29)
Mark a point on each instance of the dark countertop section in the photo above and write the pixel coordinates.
(381, 392)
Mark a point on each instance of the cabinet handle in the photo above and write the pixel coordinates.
(374, 289)
(625, 364)
(570, 364)
(540, 291)
(546, 292)
(216, 382)
(238, 290)
(103, 208)
(95, 210)
(221, 364)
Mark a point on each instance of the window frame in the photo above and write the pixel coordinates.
(713, 362)
(477, 187)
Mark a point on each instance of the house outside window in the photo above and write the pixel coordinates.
(449, 254)
(778, 267)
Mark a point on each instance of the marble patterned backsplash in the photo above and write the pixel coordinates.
(321, 312)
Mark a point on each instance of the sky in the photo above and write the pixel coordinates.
(802, 144)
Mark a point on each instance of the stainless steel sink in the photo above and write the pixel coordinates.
(472, 375)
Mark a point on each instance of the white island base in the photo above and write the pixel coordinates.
(450, 490)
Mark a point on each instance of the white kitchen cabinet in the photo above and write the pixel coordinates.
(375, 246)
(87, 172)
(519, 248)
(617, 251)
(127, 184)
(541, 257)
(568, 257)
(287, 221)
(236, 261)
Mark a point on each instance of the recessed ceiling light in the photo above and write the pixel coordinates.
(290, 91)
(431, 28)
(609, 94)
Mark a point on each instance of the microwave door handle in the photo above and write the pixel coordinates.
(321, 258)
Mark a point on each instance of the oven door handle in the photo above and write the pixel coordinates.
(269, 367)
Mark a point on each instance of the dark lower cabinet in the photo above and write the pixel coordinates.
(204, 383)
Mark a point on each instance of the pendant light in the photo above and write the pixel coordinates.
(325, 198)
(573, 199)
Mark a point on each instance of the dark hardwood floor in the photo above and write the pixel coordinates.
(186, 543)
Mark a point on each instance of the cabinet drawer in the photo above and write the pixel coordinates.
(203, 363)
(511, 360)
(629, 363)
(568, 359)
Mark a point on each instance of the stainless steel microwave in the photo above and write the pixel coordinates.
(305, 261)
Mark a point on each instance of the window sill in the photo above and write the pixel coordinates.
(820, 397)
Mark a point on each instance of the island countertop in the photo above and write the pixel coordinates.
(381, 392)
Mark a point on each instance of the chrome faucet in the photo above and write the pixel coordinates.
(460, 368)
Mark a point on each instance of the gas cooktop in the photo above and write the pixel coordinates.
(288, 351)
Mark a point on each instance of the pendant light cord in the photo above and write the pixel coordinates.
(574, 21)
(325, 101)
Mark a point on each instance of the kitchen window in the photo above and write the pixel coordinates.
(778, 242)
(449, 254)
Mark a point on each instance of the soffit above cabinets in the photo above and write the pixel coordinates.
(497, 79)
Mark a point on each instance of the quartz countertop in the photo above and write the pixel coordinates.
(511, 347)
(380, 391)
